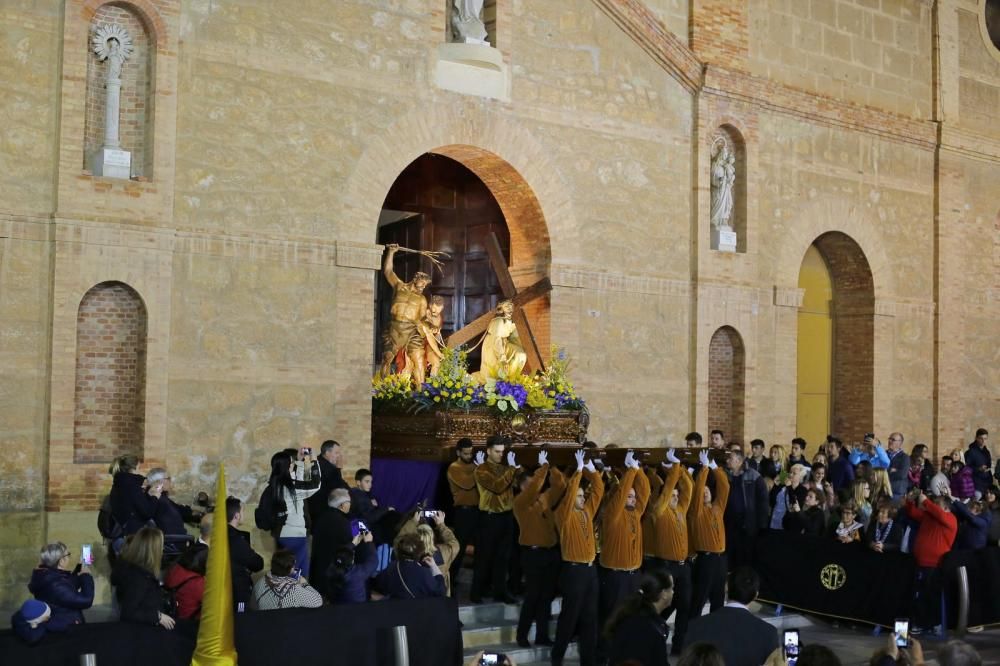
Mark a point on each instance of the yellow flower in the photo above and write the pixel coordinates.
(444, 394)
(437, 398)
(450, 384)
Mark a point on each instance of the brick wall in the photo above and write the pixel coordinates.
(726, 384)
(134, 128)
(109, 415)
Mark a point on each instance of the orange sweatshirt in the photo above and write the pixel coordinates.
(707, 530)
(496, 487)
(462, 481)
(576, 526)
(670, 530)
(648, 521)
(621, 527)
(533, 508)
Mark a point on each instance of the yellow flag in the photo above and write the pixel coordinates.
(216, 646)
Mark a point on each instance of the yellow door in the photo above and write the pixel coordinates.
(815, 350)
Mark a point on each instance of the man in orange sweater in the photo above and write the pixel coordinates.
(669, 547)
(495, 482)
(539, 538)
(621, 538)
(578, 579)
(465, 497)
(708, 537)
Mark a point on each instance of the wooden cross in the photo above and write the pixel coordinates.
(520, 299)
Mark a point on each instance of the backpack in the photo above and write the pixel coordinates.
(271, 512)
(106, 523)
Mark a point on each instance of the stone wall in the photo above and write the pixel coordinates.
(278, 133)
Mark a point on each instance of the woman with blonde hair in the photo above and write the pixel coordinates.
(779, 460)
(135, 577)
(881, 486)
(438, 539)
(861, 494)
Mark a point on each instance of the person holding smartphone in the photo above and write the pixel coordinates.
(67, 590)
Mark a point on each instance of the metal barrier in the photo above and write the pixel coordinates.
(400, 646)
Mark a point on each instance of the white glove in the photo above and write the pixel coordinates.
(590, 466)
(511, 460)
(672, 456)
(579, 459)
(712, 464)
(543, 458)
(480, 458)
(630, 460)
(703, 458)
(691, 470)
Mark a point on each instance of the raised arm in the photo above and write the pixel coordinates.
(557, 487)
(528, 496)
(881, 456)
(684, 494)
(641, 485)
(387, 271)
(699, 491)
(615, 506)
(569, 498)
(596, 492)
(721, 487)
(663, 501)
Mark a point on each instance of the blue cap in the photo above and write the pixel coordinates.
(32, 609)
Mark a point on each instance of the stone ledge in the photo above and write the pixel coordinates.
(472, 69)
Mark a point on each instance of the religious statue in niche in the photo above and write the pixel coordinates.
(467, 22)
(723, 184)
(113, 44)
(503, 353)
(406, 329)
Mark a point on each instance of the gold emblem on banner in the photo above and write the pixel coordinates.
(833, 576)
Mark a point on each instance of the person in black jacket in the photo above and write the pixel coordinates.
(363, 505)
(331, 531)
(131, 504)
(884, 533)
(243, 560)
(135, 577)
(414, 574)
(331, 456)
(170, 516)
(741, 637)
(635, 631)
(747, 511)
(808, 519)
(67, 593)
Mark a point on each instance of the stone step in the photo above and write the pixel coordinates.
(481, 614)
(522, 655)
(504, 632)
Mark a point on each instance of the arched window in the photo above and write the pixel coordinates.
(726, 383)
(110, 397)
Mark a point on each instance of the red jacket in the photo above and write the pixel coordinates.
(936, 534)
(189, 588)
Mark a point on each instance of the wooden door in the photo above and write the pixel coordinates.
(457, 214)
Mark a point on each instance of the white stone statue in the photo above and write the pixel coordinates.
(467, 22)
(114, 44)
(723, 181)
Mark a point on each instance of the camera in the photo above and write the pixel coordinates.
(901, 627)
(492, 659)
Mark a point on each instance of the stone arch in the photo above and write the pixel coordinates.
(834, 215)
(110, 386)
(727, 383)
(493, 147)
(144, 9)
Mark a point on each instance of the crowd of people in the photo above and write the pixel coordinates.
(626, 549)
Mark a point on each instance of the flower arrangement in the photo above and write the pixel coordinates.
(454, 388)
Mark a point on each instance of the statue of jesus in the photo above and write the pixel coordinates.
(502, 349)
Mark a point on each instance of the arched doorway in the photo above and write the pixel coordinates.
(836, 337)
(726, 383)
(451, 200)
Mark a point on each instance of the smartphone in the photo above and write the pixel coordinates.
(356, 528)
(86, 554)
(429, 514)
(362, 528)
(790, 641)
(492, 659)
(901, 628)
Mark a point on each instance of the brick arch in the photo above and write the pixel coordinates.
(110, 386)
(852, 400)
(834, 215)
(727, 383)
(514, 163)
(144, 9)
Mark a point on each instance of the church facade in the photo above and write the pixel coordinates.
(775, 217)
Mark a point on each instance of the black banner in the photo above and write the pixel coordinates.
(826, 577)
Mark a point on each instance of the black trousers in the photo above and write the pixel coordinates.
(493, 543)
(579, 586)
(615, 585)
(740, 545)
(927, 603)
(541, 574)
(465, 523)
(681, 604)
(515, 572)
(709, 576)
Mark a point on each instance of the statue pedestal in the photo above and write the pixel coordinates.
(472, 69)
(724, 239)
(111, 163)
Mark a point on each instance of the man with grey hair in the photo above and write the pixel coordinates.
(169, 515)
(66, 592)
(899, 466)
(333, 530)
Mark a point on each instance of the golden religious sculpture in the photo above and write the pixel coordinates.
(502, 349)
(406, 329)
(433, 342)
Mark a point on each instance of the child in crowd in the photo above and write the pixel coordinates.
(848, 530)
